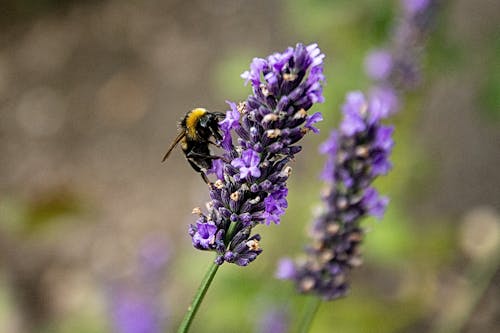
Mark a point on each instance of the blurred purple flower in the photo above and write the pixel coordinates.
(386, 96)
(286, 269)
(356, 155)
(134, 313)
(274, 321)
(413, 7)
(329, 148)
(398, 67)
(374, 204)
(378, 64)
(354, 111)
(135, 300)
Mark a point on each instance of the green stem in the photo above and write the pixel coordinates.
(198, 298)
(230, 232)
(309, 312)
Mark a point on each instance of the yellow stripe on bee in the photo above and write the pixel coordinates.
(192, 120)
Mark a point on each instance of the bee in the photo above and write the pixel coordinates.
(197, 128)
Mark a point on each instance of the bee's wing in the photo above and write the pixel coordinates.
(179, 137)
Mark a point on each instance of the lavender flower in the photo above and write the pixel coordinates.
(356, 155)
(251, 177)
(135, 301)
(134, 313)
(413, 7)
(397, 68)
(274, 321)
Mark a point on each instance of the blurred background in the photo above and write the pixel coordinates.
(93, 228)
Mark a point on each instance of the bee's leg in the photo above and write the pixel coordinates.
(198, 155)
(208, 157)
(214, 143)
(198, 169)
(205, 179)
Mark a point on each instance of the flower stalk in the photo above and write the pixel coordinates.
(198, 298)
(308, 314)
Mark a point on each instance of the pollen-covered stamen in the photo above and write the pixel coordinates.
(197, 211)
(355, 237)
(362, 151)
(342, 203)
(255, 200)
(273, 133)
(219, 184)
(235, 196)
(340, 279)
(253, 245)
(326, 256)
(307, 283)
(242, 107)
(286, 172)
(363, 111)
(326, 192)
(332, 228)
(290, 76)
(355, 261)
(265, 91)
(270, 117)
(300, 114)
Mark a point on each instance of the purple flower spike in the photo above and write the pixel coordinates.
(398, 66)
(251, 175)
(356, 155)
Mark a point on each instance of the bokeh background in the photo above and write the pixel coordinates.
(93, 228)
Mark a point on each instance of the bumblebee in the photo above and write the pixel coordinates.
(197, 128)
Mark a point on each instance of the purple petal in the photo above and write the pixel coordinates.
(311, 120)
(374, 204)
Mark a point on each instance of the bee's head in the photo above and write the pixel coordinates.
(210, 121)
